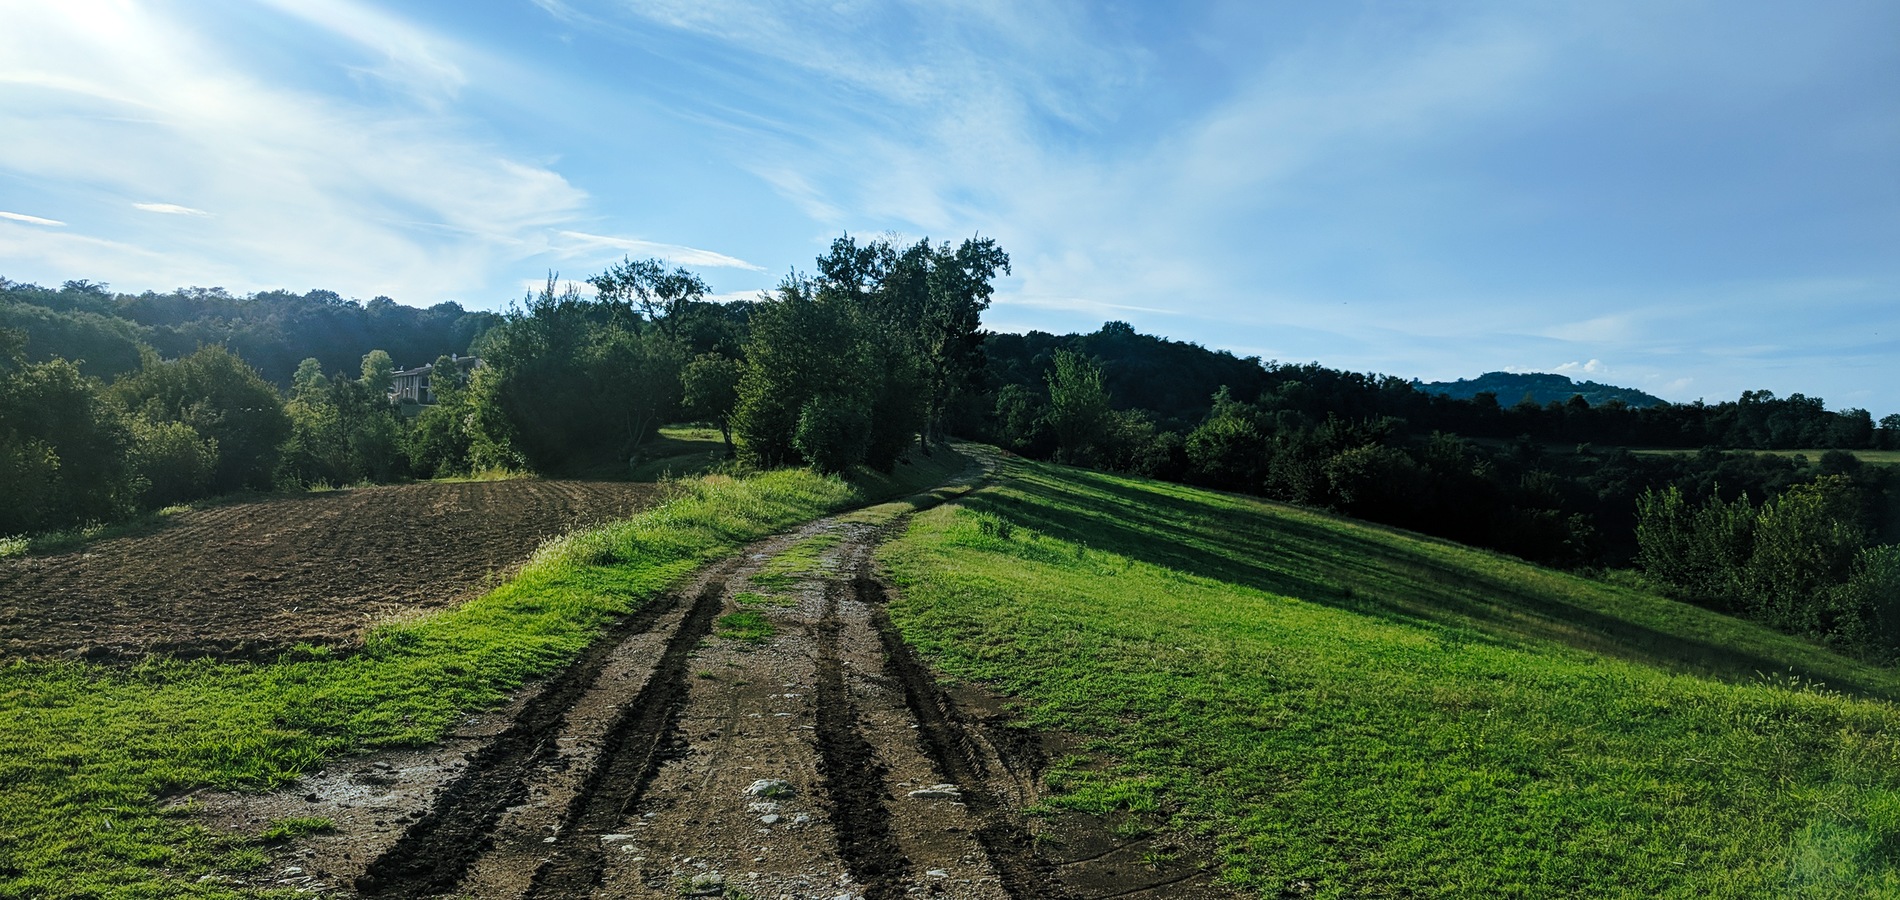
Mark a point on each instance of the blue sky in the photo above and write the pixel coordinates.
(1693, 198)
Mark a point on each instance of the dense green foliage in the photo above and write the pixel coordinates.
(574, 384)
(271, 330)
(63, 446)
(238, 414)
(1348, 711)
(100, 345)
(75, 452)
(343, 430)
(1804, 561)
(581, 383)
(855, 364)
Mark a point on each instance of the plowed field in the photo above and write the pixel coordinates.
(248, 579)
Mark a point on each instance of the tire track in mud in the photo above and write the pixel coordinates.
(433, 854)
(950, 744)
(634, 751)
(854, 777)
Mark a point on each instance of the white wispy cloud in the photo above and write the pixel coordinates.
(1593, 367)
(311, 189)
(674, 253)
(170, 209)
(412, 58)
(30, 220)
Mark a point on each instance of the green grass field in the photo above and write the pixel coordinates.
(679, 451)
(89, 754)
(1345, 710)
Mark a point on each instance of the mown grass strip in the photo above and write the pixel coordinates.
(1350, 711)
(88, 754)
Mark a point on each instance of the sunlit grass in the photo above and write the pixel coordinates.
(1352, 711)
(745, 626)
(679, 451)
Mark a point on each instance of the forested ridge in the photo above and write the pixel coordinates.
(1540, 388)
(113, 404)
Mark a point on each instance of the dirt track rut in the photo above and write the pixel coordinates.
(676, 759)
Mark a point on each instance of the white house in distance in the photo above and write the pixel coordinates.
(412, 385)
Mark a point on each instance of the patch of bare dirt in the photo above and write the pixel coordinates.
(252, 579)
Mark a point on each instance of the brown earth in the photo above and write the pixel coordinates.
(251, 579)
(678, 758)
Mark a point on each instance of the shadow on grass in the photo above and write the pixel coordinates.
(1374, 571)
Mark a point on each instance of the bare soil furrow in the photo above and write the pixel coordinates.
(252, 579)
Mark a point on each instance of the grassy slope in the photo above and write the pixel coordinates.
(1351, 711)
(86, 752)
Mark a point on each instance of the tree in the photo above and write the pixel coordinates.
(1695, 553)
(634, 380)
(575, 383)
(63, 448)
(710, 386)
(1229, 450)
(379, 372)
(1078, 408)
(224, 400)
(308, 380)
(439, 441)
(1889, 433)
(1022, 421)
(1805, 542)
(833, 432)
(924, 303)
(170, 463)
(950, 340)
(801, 346)
(660, 296)
(345, 433)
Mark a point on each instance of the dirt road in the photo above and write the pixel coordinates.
(762, 734)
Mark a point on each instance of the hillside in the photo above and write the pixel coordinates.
(1543, 387)
(1347, 710)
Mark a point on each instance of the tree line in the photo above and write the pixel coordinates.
(104, 333)
(879, 353)
(1545, 483)
(854, 365)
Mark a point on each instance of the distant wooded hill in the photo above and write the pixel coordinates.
(1542, 388)
(103, 331)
